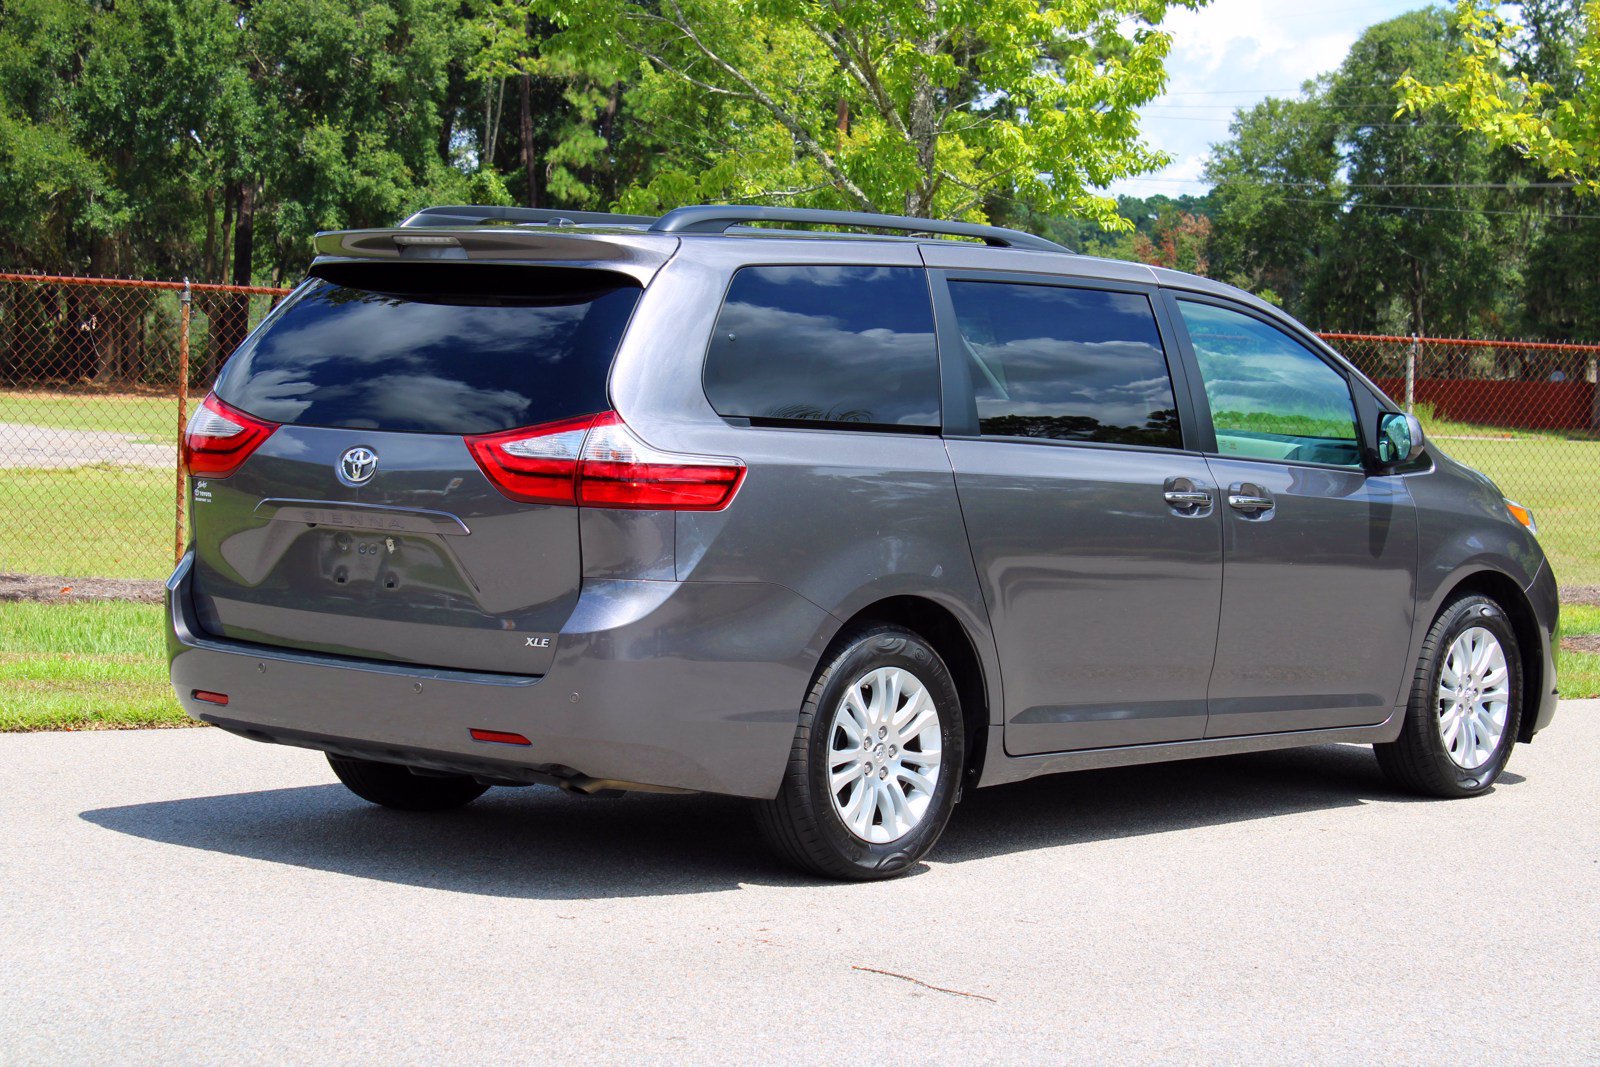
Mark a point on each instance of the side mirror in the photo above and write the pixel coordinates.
(1399, 438)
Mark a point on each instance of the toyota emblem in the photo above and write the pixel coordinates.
(357, 466)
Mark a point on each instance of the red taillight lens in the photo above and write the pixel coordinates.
(596, 461)
(621, 471)
(219, 438)
(538, 465)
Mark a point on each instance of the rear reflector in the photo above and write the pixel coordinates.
(219, 437)
(220, 699)
(496, 736)
(597, 461)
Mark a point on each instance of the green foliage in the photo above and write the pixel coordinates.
(1360, 212)
(1488, 89)
(933, 108)
(212, 138)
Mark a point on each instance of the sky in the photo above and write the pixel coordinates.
(1231, 54)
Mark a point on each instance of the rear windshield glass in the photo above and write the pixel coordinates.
(449, 348)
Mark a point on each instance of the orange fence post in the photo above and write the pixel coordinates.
(183, 418)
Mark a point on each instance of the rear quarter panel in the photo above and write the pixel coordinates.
(842, 518)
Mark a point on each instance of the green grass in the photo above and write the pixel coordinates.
(1554, 477)
(101, 521)
(1436, 425)
(152, 419)
(84, 666)
(1579, 672)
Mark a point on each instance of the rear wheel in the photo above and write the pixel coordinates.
(876, 760)
(395, 786)
(1465, 707)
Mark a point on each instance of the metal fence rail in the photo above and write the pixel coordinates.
(95, 374)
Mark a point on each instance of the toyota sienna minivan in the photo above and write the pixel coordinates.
(841, 522)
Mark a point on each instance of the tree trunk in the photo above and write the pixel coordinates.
(525, 133)
(921, 125)
(230, 194)
(608, 127)
(209, 262)
(94, 344)
(244, 235)
(231, 321)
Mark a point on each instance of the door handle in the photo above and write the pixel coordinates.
(1186, 496)
(1242, 496)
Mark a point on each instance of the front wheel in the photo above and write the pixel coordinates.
(394, 786)
(1465, 707)
(876, 760)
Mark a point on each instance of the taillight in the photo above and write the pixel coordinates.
(220, 437)
(538, 465)
(596, 461)
(621, 471)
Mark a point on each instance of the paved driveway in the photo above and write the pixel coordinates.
(188, 896)
(25, 445)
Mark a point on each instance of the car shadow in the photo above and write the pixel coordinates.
(542, 843)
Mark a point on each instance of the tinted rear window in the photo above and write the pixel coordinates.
(1068, 364)
(840, 345)
(448, 348)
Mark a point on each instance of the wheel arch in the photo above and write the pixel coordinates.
(1524, 623)
(959, 650)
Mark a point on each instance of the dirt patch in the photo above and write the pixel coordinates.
(1581, 643)
(1584, 595)
(52, 590)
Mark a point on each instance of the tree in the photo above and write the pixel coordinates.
(1419, 250)
(1277, 196)
(1486, 89)
(947, 108)
(1365, 219)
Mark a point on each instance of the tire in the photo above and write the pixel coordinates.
(1420, 760)
(394, 786)
(806, 823)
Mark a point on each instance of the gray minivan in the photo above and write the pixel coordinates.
(841, 522)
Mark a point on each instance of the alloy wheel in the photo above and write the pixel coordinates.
(884, 752)
(1473, 698)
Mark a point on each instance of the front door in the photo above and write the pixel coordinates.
(1319, 557)
(1096, 536)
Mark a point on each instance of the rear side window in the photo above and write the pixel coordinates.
(434, 348)
(1066, 364)
(834, 345)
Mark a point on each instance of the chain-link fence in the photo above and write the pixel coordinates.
(94, 379)
(1526, 413)
(95, 375)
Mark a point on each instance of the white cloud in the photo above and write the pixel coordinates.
(1231, 54)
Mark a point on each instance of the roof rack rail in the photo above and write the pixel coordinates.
(471, 215)
(720, 218)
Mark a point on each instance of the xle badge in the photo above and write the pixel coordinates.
(538, 642)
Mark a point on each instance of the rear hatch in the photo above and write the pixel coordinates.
(359, 523)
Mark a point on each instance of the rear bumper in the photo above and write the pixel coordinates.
(683, 685)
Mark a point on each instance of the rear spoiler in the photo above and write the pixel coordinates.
(625, 251)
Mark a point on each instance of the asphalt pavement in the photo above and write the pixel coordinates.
(188, 896)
